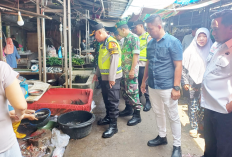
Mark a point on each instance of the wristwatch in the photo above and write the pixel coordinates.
(177, 88)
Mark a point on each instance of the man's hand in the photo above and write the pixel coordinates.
(175, 94)
(95, 78)
(143, 87)
(111, 83)
(19, 60)
(229, 107)
(132, 74)
(186, 86)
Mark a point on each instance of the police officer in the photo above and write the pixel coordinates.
(109, 67)
(138, 28)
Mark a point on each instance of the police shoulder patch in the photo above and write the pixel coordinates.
(112, 47)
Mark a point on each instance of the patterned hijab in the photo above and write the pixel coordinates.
(9, 49)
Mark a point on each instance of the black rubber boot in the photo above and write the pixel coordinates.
(128, 111)
(147, 106)
(104, 121)
(113, 129)
(135, 119)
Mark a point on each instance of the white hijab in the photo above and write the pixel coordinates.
(194, 57)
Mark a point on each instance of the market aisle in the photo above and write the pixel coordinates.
(131, 141)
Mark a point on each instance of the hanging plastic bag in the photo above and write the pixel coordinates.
(60, 52)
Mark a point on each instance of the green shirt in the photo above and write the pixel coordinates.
(130, 47)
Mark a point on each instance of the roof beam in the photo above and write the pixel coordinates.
(53, 10)
(27, 12)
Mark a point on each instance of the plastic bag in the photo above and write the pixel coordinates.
(93, 105)
(51, 52)
(59, 139)
(58, 152)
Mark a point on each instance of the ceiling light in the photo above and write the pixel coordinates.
(20, 21)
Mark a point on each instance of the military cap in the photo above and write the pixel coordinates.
(137, 23)
(121, 23)
(96, 27)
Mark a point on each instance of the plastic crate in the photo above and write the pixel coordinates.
(58, 100)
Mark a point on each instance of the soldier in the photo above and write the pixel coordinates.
(144, 37)
(130, 67)
(109, 67)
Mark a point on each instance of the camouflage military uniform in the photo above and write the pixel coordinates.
(129, 87)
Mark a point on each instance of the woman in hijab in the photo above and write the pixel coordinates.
(194, 64)
(11, 53)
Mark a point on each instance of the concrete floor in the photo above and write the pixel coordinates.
(131, 141)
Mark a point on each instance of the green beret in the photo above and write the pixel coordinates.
(121, 23)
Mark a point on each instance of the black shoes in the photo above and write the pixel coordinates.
(128, 111)
(163, 141)
(147, 106)
(111, 130)
(104, 121)
(176, 152)
(157, 141)
(135, 119)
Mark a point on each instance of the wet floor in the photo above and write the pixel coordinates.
(131, 141)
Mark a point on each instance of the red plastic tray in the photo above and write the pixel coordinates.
(58, 100)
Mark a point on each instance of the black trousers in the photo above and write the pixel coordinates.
(140, 79)
(111, 97)
(218, 134)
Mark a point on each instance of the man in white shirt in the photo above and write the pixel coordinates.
(216, 95)
(189, 38)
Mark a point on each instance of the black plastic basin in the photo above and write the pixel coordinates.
(77, 124)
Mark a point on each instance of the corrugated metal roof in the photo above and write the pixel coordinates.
(115, 8)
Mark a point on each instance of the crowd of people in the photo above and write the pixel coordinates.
(156, 64)
(159, 65)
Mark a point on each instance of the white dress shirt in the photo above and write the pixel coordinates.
(187, 41)
(217, 80)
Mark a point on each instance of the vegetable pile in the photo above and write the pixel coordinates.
(54, 61)
(77, 61)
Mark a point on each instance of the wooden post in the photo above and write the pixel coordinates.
(79, 42)
(39, 40)
(1, 51)
(44, 50)
(65, 43)
(69, 44)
